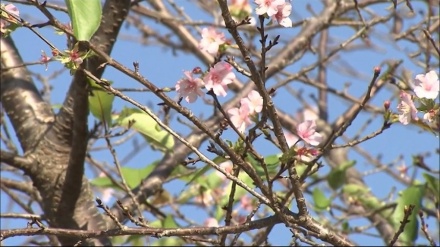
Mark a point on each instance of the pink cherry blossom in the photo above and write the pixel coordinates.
(308, 113)
(219, 77)
(306, 154)
(427, 86)
(189, 87)
(237, 6)
(211, 40)
(307, 131)
(44, 59)
(246, 203)
(269, 7)
(240, 117)
(205, 199)
(211, 222)
(291, 139)
(407, 109)
(254, 101)
(5, 23)
(227, 165)
(282, 16)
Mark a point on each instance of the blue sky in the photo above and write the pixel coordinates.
(161, 67)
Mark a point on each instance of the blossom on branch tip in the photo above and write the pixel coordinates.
(189, 87)
(44, 59)
(407, 109)
(307, 132)
(211, 40)
(427, 86)
(219, 77)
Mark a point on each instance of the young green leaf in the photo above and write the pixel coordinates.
(320, 199)
(336, 178)
(433, 184)
(412, 195)
(101, 103)
(85, 16)
(144, 124)
(133, 176)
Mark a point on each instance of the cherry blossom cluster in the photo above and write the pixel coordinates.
(216, 79)
(278, 10)
(305, 131)
(426, 89)
(211, 40)
(250, 105)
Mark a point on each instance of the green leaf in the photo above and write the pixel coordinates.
(336, 178)
(169, 222)
(363, 196)
(101, 103)
(155, 224)
(198, 174)
(412, 195)
(354, 190)
(346, 227)
(135, 240)
(272, 164)
(132, 176)
(85, 16)
(144, 124)
(272, 160)
(433, 184)
(169, 241)
(320, 199)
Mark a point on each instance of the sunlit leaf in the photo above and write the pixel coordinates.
(336, 178)
(271, 161)
(433, 184)
(413, 195)
(135, 240)
(101, 103)
(320, 199)
(132, 176)
(161, 197)
(85, 16)
(354, 189)
(169, 241)
(169, 222)
(144, 124)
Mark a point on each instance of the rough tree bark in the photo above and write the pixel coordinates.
(54, 145)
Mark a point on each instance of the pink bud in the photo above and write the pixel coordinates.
(386, 104)
(377, 70)
(197, 70)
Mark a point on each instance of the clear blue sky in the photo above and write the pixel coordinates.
(162, 68)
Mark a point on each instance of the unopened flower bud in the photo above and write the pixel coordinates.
(197, 70)
(377, 70)
(386, 104)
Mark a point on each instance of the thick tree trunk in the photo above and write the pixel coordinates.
(55, 145)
